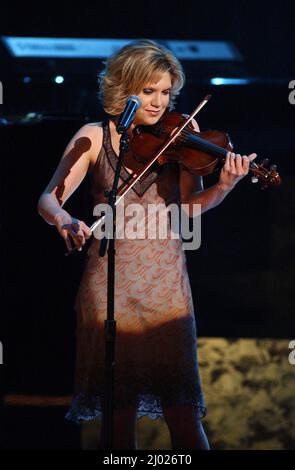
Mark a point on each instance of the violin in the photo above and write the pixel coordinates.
(173, 139)
(200, 153)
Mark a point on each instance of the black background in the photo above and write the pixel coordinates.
(242, 276)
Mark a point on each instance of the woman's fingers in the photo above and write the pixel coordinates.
(238, 164)
(75, 233)
(252, 156)
(234, 163)
(71, 239)
(68, 241)
(86, 230)
(227, 161)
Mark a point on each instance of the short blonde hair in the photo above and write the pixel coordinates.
(131, 68)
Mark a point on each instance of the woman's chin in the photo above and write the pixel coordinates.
(148, 120)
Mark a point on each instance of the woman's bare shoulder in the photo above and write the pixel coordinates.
(94, 125)
(92, 128)
(94, 132)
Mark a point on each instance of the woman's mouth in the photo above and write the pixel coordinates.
(153, 113)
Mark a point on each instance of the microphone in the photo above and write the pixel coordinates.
(126, 118)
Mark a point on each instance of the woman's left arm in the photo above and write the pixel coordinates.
(191, 186)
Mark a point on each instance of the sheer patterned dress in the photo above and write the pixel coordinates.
(156, 343)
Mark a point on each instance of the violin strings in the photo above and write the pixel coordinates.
(203, 144)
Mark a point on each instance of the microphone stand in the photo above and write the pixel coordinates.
(110, 322)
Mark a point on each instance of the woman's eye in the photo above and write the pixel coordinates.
(148, 91)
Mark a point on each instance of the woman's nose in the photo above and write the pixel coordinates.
(157, 100)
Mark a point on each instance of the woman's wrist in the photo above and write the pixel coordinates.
(59, 216)
(225, 187)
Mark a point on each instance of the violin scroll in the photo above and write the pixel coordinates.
(266, 174)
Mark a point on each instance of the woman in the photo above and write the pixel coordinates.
(156, 370)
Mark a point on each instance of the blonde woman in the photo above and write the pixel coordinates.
(156, 370)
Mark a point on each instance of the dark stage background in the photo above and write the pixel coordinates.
(242, 276)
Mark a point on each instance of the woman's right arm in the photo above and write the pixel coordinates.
(79, 155)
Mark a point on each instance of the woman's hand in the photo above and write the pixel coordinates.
(234, 169)
(72, 230)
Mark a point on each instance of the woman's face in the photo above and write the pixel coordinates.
(155, 97)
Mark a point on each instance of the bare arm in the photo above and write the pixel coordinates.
(75, 162)
(191, 187)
